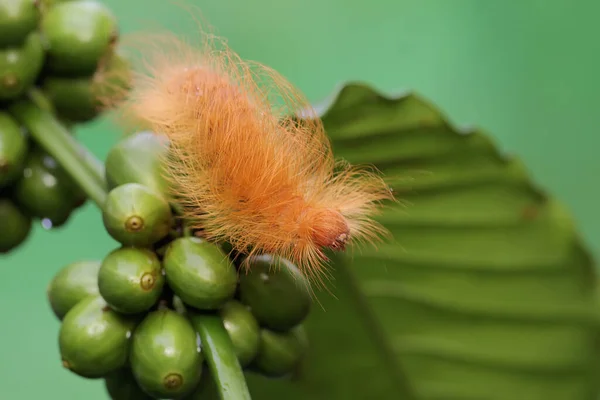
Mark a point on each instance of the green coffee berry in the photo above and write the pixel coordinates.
(16, 226)
(121, 385)
(199, 273)
(276, 292)
(79, 34)
(72, 284)
(280, 352)
(45, 191)
(18, 18)
(139, 158)
(134, 215)
(13, 149)
(243, 330)
(130, 280)
(20, 66)
(165, 358)
(94, 340)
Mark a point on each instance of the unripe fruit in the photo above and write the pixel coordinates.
(121, 385)
(243, 329)
(81, 99)
(72, 284)
(94, 340)
(134, 215)
(16, 226)
(280, 352)
(130, 280)
(165, 358)
(79, 34)
(276, 292)
(18, 18)
(13, 149)
(72, 97)
(20, 66)
(199, 273)
(138, 159)
(45, 191)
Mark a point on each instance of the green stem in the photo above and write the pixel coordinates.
(90, 161)
(51, 135)
(222, 360)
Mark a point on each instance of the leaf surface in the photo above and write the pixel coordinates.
(486, 291)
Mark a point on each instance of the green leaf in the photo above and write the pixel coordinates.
(486, 291)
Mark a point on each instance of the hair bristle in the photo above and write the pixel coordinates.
(244, 169)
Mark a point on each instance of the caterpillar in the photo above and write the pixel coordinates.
(244, 167)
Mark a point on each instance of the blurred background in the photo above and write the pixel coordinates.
(524, 71)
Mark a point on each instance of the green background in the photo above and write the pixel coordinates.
(525, 71)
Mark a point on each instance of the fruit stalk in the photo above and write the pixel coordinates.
(50, 134)
(222, 361)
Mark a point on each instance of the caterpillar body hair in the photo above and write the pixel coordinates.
(244, 168)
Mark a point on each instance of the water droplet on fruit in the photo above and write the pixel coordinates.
(47, 223)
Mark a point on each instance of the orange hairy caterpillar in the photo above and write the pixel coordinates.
(245, 169)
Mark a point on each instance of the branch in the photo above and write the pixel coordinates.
(52, 136)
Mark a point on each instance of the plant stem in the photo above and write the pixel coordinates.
(51, 135)
(222, 360)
